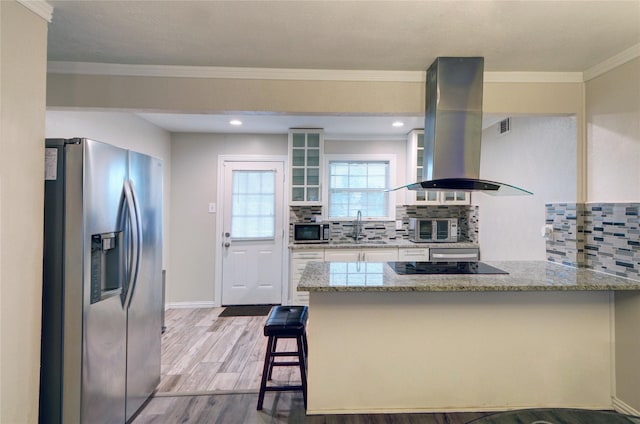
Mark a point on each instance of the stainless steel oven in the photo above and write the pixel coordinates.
(454, 254)
(433, 230)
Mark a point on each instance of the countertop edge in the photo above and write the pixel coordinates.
(523, 276)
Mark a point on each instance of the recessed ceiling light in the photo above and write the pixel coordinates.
(398, 124)
(235, 122)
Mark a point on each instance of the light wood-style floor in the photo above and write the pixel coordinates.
(203, 353)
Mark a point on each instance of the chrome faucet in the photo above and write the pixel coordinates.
(357, 226)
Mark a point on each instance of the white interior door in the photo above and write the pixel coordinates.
(253, 233)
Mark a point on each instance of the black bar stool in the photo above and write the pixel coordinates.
(285, 322)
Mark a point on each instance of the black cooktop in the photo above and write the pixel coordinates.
(403, 268)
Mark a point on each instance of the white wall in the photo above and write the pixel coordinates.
(539, 154)
(124, 130)
(194, 164)
(613, 135)
(23, 51)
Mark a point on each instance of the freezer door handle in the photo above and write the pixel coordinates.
(136, 240)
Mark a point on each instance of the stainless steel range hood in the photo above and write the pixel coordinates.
(453, 129)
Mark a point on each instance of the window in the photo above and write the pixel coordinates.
(357, 184)
(253, 207)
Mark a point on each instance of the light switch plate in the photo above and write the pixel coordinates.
(212, 208)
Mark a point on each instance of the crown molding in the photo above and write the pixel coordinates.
(39, 7)
(365, 137)
(112, 69)
(527, 77)
(621, 58)
(170, 71)
(91, 68)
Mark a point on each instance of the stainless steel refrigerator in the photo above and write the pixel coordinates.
(102, 284)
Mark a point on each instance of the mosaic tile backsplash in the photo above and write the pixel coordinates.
(600, 236)
(386, 230)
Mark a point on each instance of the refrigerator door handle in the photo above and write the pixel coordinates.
(136, 236)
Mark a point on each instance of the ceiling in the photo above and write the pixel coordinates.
(527, 36)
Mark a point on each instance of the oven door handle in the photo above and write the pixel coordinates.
(455, 256)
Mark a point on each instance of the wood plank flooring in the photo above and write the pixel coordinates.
(279, 408)
(205, 354)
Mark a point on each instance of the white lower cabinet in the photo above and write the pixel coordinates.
(361, 255)
(379, 255)
(301, 257)
(413, 255)
(299, 260)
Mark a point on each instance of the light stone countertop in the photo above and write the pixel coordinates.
(402, 243)
(522, 276)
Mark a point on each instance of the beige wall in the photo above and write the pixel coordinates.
(200, 95)
(23, 46)
(194, 164)
(613, 134)
(613, 128)
(627, 335)
(206, 95)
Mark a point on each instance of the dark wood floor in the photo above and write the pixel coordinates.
(279, 408)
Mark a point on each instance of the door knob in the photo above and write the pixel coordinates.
(227, 244)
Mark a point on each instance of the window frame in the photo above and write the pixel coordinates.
(353, 157)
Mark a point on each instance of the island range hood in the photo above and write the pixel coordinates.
(453, 129)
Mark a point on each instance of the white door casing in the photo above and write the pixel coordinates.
(250, 260)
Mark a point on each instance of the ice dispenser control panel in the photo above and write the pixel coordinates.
(107, 265)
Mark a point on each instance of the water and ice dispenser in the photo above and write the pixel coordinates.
(107, 265)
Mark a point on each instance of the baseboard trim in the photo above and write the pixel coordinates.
(206, 393)
(186, 305)
(623, 408)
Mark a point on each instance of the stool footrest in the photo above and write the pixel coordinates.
(282, 388)
(284, 364)
(284, 353)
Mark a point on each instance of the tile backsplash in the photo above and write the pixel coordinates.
(600, 236)
(386, 230)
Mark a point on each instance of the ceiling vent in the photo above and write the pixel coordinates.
(505, 126)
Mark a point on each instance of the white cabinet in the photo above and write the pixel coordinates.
(299, 260)
(361, 255)
(379, 255)
(455, 197)
(342, 255)
(415, 156)
(413, 254)
(305, 166)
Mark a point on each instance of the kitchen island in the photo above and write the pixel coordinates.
(539, 336)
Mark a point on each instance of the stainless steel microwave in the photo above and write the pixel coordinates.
(433, 230)
(311, 232)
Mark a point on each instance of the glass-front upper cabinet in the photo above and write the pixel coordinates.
(415, 157)
(306, 147)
